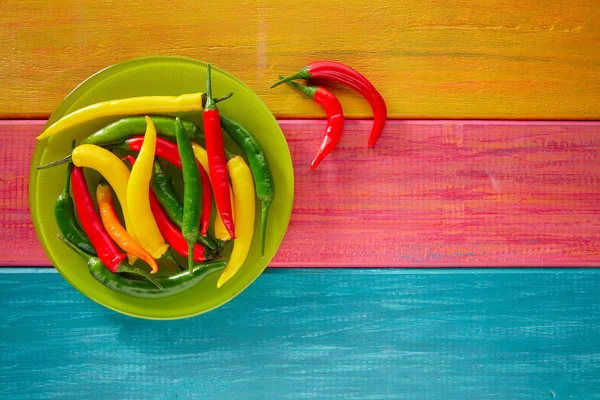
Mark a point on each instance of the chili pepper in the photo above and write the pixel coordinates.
(243, 189)
(162, 185)
(221, 232)
(217, 162)
(259, 164)
(171, 233)
(167, 286)
(125, 128)
(111, 168)
(206, 203)
(168, 230)
(191, 190)
(129, 106)
(167, 150)
(335, 118)
(138, 201)
(64, 211)
(338, 72)
(115, 229)
(107, 251)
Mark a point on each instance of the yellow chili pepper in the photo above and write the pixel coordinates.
(243, 188)
(138, 199)
(114, 171)
(128, 106)
(221, 232)
(115, 229)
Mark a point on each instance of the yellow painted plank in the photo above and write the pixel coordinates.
(429, 58)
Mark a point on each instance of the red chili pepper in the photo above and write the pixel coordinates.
(167, 150)
(217, 162)
(171, 233)
(335, 71)
(107, 250)
(335, 118)
(168, 229)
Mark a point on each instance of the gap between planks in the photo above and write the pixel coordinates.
(445, 193)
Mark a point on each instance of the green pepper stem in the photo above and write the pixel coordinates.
(219, 99)
(157, 168)
(69, 170)
(55, 163)
(120, 146)
(191, 255)
(76, 249)
(309, 91)
(302, 74)
(210, 102)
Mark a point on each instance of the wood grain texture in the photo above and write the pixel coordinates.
(443, 193)
(19, 244)
(451, 59)
(315, 334)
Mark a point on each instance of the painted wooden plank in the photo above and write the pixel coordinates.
(430, 58)
(432, 193)
(315, 334)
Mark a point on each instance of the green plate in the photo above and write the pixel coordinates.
(160, 76)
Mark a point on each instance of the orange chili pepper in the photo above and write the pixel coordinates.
(114, 228)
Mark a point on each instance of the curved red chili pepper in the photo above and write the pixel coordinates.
(335, 118)
(107, 250)
(167, 150)
(168, 229)
(335, 71)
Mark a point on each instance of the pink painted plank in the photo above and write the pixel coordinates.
(432, 193)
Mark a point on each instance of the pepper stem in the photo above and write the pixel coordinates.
(219, 99)
(55, 163)
(309, 91)
(191, 256)
(120, 146)
(157, 168)
(76, 249)
(210, 102)
(302, 74)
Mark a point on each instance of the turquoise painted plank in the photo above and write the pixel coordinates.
(315, 334)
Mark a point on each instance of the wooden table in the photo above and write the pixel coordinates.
(491, 160)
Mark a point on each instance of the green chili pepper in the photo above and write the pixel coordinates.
(162, 185)
(191, 191)
(171, 285)
(167, 197)
(64, 211)
(124, 128)
(259, 165)
(158, 288)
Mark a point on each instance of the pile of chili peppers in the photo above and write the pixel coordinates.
(333, 71)
(157, 226)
